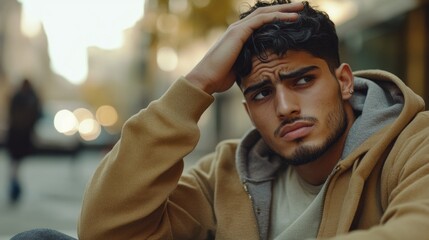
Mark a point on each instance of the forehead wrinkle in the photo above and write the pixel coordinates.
(273, 74)
(263, 70)
(259, 76)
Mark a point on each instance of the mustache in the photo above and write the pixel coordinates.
(292, 120)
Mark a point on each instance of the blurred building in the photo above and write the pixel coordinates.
(390, 35)
(20, 56)
(173, 35)
(26, 56)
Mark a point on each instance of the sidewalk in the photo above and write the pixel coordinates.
(52, 192)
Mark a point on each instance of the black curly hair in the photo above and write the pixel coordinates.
(313, 32)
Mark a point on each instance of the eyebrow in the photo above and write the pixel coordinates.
(283, 76)
(297, 73)
(255, 86)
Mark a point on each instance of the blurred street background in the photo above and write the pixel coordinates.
(52, 193)
(94, 63)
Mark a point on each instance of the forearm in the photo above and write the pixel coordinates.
(125, 197)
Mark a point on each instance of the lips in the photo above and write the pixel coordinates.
(296, 130)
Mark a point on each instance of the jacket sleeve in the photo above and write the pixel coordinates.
(128, 196)
(405, 188)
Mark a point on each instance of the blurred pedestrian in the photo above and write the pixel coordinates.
(24, 111)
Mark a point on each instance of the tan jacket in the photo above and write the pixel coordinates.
(381, 189)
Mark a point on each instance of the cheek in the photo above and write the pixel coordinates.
(320, 107)
(326, 98)
(315, 106)
(262, 117)
(326, 108)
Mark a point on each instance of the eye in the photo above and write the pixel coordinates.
(304, 80)
(262, 94)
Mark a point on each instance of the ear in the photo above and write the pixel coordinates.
(345, 79)
(246, 107)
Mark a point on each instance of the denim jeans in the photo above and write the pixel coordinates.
(41, 234)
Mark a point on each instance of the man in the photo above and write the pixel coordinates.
(332, 155)
(24, 112)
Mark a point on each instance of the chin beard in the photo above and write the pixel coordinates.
(306, 153)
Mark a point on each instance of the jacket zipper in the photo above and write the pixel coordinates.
(247, 191)
(256, 210)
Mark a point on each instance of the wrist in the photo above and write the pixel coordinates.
(200, 83)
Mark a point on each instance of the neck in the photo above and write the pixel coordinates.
(316, 172)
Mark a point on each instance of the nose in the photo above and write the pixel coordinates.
(286, 103)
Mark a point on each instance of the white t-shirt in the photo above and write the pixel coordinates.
(295, 210)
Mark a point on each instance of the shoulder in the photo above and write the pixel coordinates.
(418, 128)
(224, 155)
(409, 155)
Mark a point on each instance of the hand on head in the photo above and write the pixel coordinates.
(214, 72)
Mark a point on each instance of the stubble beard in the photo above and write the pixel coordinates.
(304, 154)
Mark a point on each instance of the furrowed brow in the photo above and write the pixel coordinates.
(297, 73)
(255, 87)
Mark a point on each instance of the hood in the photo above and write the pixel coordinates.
(375, 104)
(380, 98)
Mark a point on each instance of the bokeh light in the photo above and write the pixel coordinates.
(106, 115)
(178, 6)
(83, 114)
(89, 129)
(65, 122)
(167, 59)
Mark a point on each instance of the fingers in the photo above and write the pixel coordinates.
(264, 15)
(261, 19)
(288, 7)
(213, 72)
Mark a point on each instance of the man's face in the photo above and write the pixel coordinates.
(296, 104)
